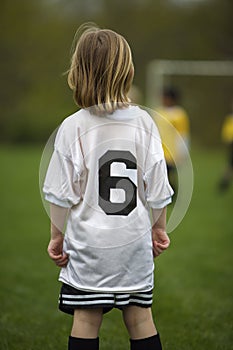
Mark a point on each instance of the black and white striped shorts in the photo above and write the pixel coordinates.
(71, 299)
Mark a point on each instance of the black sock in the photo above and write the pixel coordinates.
(151, 343)
(83, 344)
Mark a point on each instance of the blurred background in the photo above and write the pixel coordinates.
(36, 38)
(193, 282)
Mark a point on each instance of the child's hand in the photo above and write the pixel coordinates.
(160, 240)
(55, 251)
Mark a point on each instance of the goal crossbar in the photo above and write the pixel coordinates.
(157, 71)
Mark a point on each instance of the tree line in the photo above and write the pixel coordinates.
(36, 38)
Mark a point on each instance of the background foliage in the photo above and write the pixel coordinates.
(36, 37)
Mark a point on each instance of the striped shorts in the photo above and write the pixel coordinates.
(71, 299)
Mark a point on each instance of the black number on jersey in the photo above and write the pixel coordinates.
(108, 182)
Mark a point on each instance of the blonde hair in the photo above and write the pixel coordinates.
(101, 71)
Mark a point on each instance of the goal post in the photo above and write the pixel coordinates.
(159, 71)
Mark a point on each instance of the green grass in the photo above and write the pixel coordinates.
(194, 286)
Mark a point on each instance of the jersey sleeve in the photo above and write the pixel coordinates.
(62, 181)
(62, 185)
(157, 188)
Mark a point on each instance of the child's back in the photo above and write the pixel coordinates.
(108, 170)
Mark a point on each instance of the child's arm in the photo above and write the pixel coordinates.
(160, 238)
(55, 248)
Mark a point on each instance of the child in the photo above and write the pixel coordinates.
(106, 172)
(173, 114)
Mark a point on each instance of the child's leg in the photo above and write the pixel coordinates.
(85, 330)
(140, 325)
(139, 322)
(87, 322)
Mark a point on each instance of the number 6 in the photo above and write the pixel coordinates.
(107, 182)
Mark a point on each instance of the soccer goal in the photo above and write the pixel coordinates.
(159, 72)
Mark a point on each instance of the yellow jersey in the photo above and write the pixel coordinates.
(174, 129)
(227, 129)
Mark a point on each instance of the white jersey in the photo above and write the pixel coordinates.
(109, 171)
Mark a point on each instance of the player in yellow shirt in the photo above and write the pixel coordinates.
(227, 138)
(174, 139)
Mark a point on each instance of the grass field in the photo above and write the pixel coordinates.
(194, 285)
